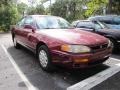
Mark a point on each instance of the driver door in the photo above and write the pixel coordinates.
(29, 35)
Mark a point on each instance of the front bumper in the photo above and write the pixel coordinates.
(80, 60)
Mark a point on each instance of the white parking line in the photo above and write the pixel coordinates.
(21, 74)
(96, 79)
(83, 85)
(115, 59)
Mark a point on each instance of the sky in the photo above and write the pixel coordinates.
(24, 1)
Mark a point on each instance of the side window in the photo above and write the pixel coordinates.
(29, 21)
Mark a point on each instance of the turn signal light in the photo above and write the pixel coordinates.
(80, 60)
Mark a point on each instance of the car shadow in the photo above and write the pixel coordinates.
(58, 80)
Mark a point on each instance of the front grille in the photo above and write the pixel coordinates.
(99, 47)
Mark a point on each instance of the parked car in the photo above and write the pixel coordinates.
(56, 43)
(112, 21)
(100, 28)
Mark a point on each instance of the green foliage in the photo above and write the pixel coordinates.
(8, 15)
(69, 9)
(114, 7)
(39, 9)
(21, 8)
(95, 7)
(5, 2)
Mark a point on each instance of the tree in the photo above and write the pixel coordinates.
(8, 14)
(95, 7)
(39, 9)
(5, 2)
(22, 7)
(113, 7)
(69, 9)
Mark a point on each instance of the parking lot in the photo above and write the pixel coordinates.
(23, 72)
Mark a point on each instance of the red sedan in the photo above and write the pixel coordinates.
(55, 42)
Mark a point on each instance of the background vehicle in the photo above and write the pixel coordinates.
(102, 29)
(112, 21)
(54, 42)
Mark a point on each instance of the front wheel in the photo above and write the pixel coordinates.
(45, 58)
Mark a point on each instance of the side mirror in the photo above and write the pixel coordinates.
(30, 27)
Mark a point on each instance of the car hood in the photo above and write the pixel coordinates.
(114, 32)
(74, 36)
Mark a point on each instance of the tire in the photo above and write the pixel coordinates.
(115, 46)
(16, 44)
(45, 58)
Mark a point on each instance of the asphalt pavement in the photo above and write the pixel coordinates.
(29, 66)
(9, 79)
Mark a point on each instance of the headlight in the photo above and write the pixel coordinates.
(75, 48)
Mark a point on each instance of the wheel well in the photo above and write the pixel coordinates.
(38, 45)
(112, 38)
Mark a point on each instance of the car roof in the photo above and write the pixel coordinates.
(102, 17)
(74, 23)
(34, 16)
(82, 21)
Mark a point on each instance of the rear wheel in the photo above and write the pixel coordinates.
(16, 44)
(45, 58)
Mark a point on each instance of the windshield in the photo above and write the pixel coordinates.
(116, 20)
(49, 22)
(90, 25)
(111, 20)
(85, 24)
(103, 25)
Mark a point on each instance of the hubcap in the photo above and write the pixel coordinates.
(43, 58)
